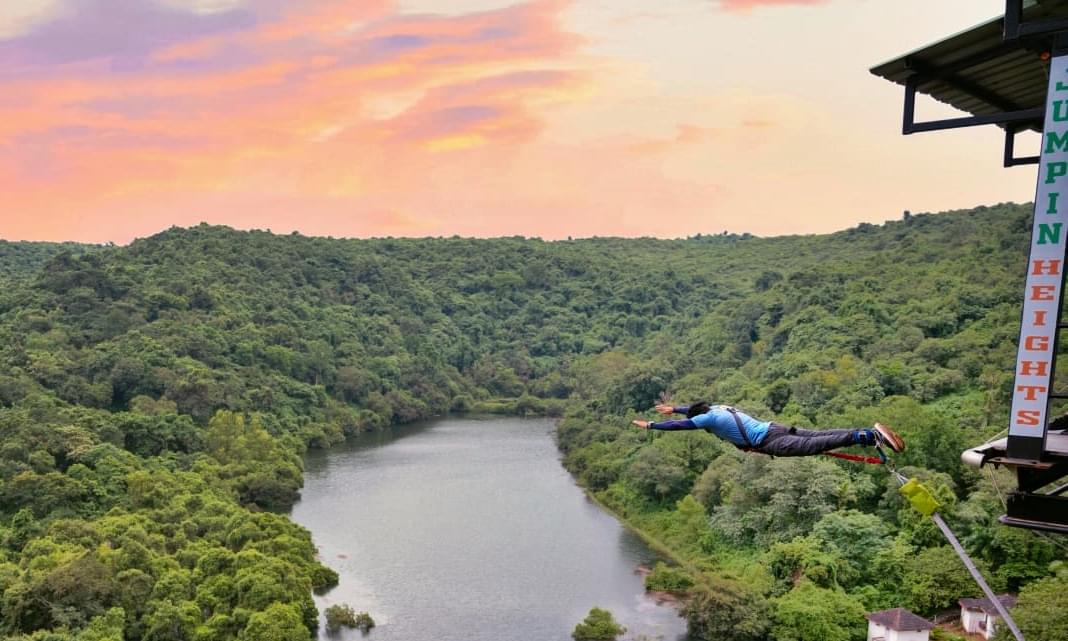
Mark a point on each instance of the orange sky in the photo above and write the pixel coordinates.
(550, 118)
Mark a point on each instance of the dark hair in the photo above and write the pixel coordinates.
(698, 408)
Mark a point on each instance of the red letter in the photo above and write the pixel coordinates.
(1042, 292)
(1050, 267)
(1036, 343)
(1040, 366)
(1027, 417)
(1040, 318)
(1030, 391)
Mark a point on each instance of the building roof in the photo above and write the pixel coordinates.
(977, 71)
(900, 619)
(986, 605)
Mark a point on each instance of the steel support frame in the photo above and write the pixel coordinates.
(1042, 508)
(1027, 508)
(1015, 28)
(1030, 480)
(1010, 159)
(1026, 524)
(1022, 118)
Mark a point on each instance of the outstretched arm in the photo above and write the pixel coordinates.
(684, 424)
(668, 410)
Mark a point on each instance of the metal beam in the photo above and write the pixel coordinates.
(1014, 27)
(1032, 525)
(948, 74)
(1011, 25)
(1042, 27)
(1058, 490)
(908, 117)
(1022, 116)
(974, 571)
(1038, 507)
(1010, 159)
(1033, 478)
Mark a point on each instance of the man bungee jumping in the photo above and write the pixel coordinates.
(768, 437)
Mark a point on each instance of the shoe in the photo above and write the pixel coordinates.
(890, 437)
(866, 437)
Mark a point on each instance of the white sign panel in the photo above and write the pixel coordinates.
(1045, 268)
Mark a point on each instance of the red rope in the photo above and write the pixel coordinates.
(874, 460)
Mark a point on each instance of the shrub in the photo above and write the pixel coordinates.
(668, 579)
(339, 615)
(364, 622)
(598, 626)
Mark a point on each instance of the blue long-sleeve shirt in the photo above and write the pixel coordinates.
(720, 422)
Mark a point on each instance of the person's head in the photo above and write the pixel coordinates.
(698, 408)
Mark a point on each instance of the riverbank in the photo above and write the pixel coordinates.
(654, 543)
(525, 406)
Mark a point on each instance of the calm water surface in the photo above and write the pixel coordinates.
(470, 530)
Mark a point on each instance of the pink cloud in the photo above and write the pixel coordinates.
(685, 135)
(487, 110)
(279, 112)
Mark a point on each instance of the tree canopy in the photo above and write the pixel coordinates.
(156, 399)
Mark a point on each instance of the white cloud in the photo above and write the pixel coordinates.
(19, 16)
(203, 6)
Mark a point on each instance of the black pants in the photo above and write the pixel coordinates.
(782, 440)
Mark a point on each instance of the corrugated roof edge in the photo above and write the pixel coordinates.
(900, 60)
(1042, 8)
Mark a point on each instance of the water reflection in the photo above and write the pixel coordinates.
(471, 530)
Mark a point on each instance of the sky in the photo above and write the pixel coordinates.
(547, 118)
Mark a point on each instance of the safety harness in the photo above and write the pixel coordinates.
(741, 430)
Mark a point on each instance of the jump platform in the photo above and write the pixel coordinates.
(1031, 506)
(1012, 72)
(996, 452)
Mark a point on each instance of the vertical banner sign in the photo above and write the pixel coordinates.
(1045, 278)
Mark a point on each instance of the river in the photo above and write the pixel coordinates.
(471, 530)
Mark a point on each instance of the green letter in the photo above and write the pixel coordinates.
(1056, 170)
(1058, 116)
(1053, 196)
(1055, 142)
(1049, 233)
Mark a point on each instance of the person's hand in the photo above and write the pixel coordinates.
(665, 409)
(642, 424)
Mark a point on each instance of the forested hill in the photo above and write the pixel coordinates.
(155, 398)
(21, 259)
(208, 317)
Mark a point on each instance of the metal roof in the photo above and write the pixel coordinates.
(986, 605)
(900, 619)
(977, 70)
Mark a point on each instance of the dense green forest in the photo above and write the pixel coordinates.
(155, 401)
(22, 259)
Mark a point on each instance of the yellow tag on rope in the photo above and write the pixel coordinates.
(920, 497)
